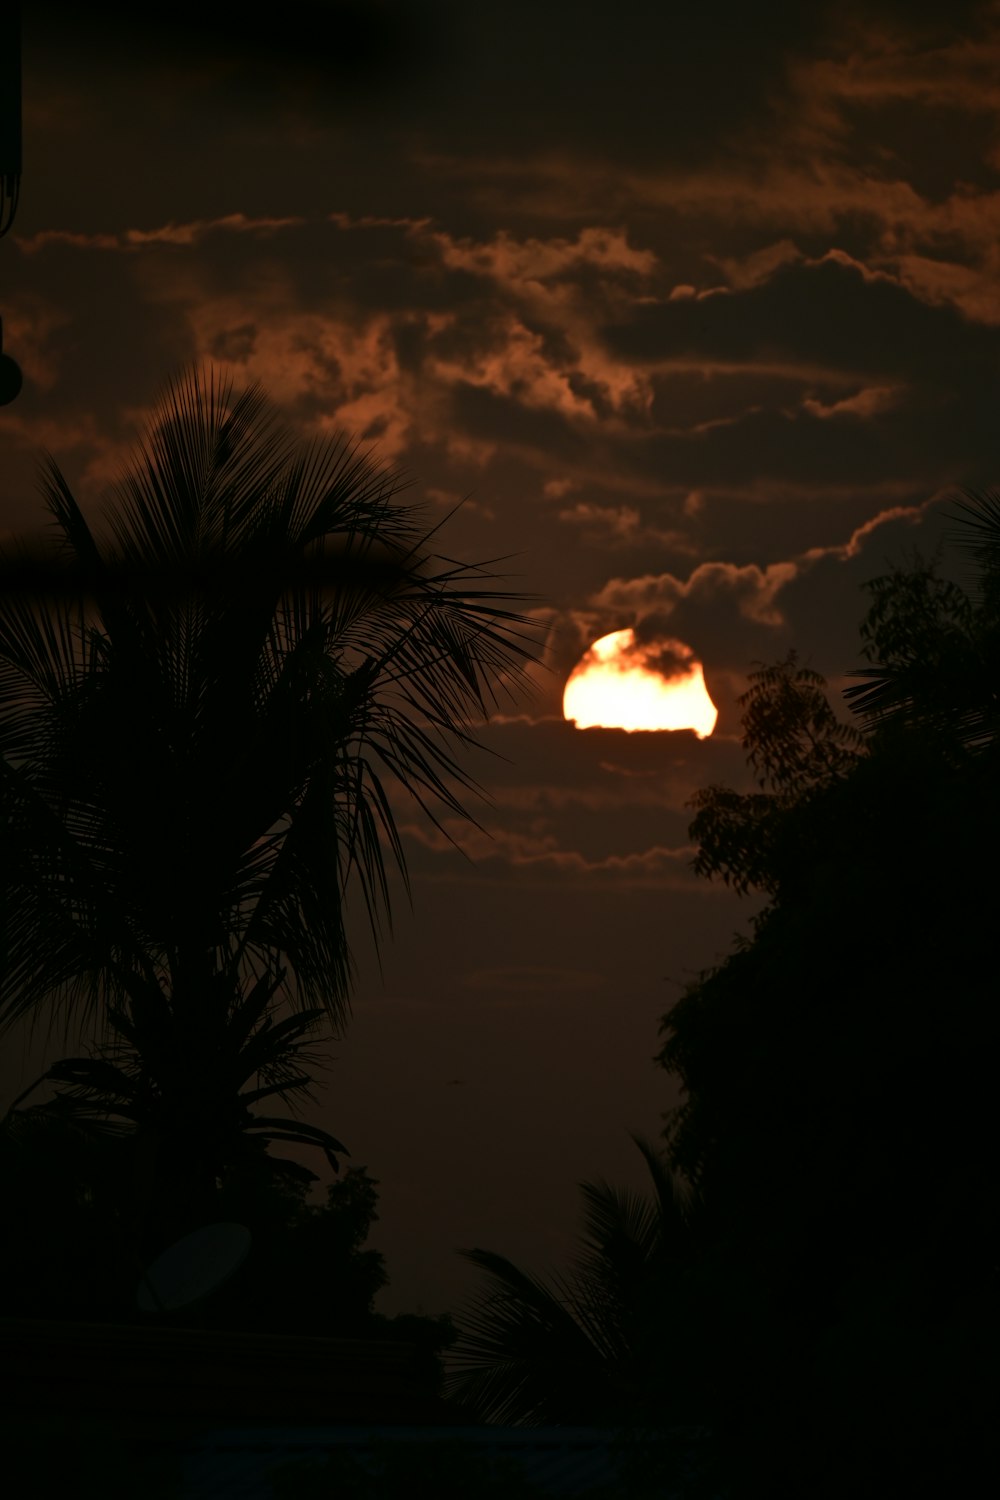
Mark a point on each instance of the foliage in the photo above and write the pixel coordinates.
(181, 1107)
(428, 1336)
(934, 646)
(795, 745)
(309, 1272)
(574, 1350)
(204, 710)
(838, 1106)
(68, 1250)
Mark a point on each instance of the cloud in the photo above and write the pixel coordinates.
(183, 236)
(755, 590)
(869, 402)
(524, 265)
(630, 380)
(831, 312)
(731, 615)
(516, 365)
(911, 514)
(632, 788)
(618, 526)
(542, 854)
(742, 272)
(807, 374)
(390, 355)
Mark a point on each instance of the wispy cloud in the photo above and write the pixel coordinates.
(184, 236)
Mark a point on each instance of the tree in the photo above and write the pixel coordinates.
(796, 747)
(934, 647)
(838, 1106)
(203, 712)
(575, 1350)
(68, 1251)
(836, 1121)
(129, 1091)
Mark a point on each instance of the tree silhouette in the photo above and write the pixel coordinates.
(134, 1086)
(934, 646)
(575, 1350)
(838, 1106)
(796, 746)
(204, 709)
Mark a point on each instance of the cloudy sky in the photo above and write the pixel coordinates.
(700, 318)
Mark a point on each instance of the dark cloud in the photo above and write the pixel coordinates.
(485, 414)
(658, 76)
(234, 344)
(658, 651)
(648, 82)
(335, 52)
(832, 315)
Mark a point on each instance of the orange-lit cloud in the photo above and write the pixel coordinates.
(657, 864)
(869, 402)
(184, 235)
(530, 262)
(621, 526)
(756, 589)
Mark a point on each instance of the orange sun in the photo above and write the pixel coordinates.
(621, 683)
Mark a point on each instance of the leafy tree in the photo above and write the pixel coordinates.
(203, 711)
(310, 1272)
(838, 1107)
(796, 747)
(68, 1248)
(68, 1252)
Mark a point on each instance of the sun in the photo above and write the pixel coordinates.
(622, 683)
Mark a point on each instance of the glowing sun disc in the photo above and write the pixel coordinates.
(616, 685)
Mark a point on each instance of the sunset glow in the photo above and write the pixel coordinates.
(621, 683)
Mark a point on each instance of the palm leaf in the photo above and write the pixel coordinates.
(521, 1355)
(537, 1352)
(206, 717)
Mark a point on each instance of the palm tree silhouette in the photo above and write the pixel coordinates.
(578, 1349)
(203, 709)
(934, 646)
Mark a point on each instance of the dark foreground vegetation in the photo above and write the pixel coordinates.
(194, 719)
(206, 701)
(814, 1279)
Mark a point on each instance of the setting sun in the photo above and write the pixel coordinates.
(621, 683)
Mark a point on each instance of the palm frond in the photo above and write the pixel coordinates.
(521, 1355)
(566, 1350)
(933, 658)
(978, 534)
(206, 719)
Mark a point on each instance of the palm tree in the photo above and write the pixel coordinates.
(174, 1110)
(934, 646)
(581, 1349)
(203, 711)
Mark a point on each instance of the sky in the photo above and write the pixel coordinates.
(694, 314)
